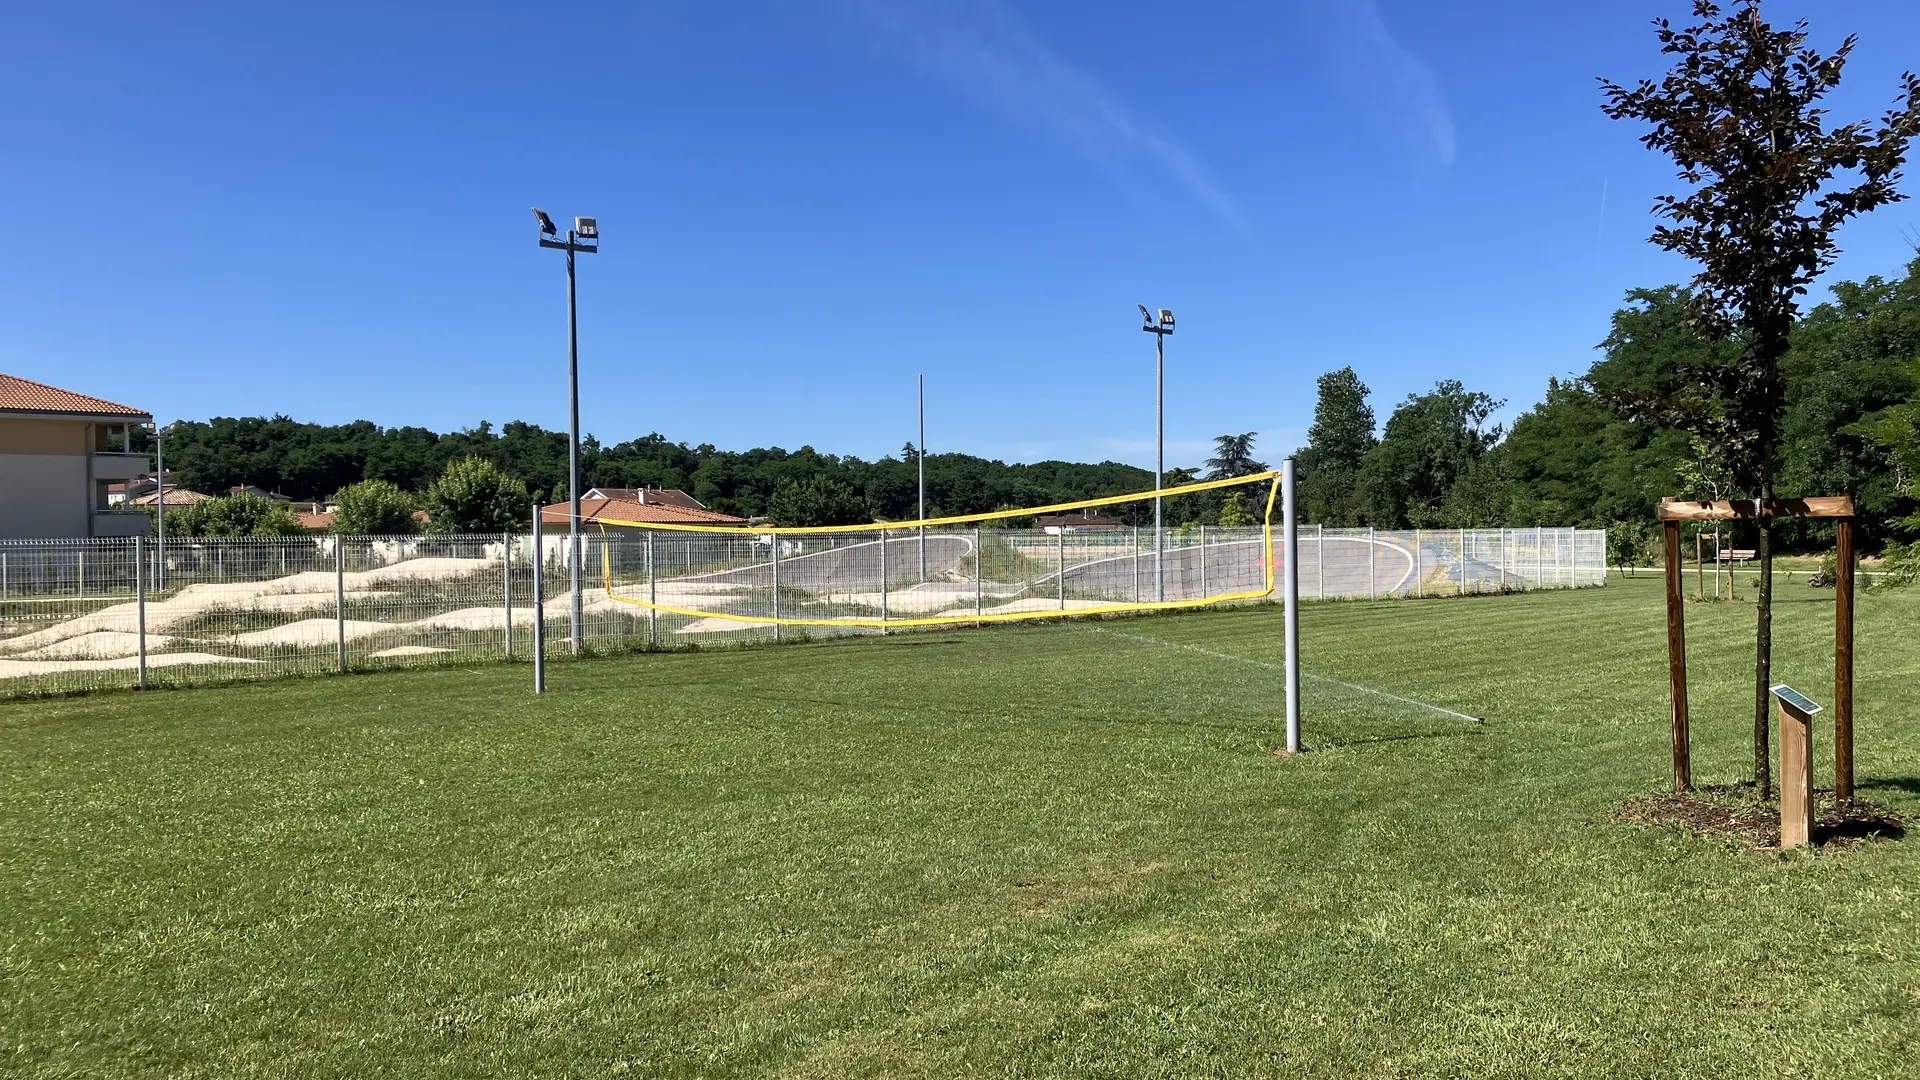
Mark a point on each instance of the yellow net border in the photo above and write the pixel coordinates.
(968, 619)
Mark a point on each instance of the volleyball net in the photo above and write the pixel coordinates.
(1086, 557)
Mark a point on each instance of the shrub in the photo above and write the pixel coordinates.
(474, 496)
(233, 515)
(373, 508)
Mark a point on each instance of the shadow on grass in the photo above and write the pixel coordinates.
(1908, 784)
(1373, 740)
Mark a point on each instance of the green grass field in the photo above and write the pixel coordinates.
(1034, 851)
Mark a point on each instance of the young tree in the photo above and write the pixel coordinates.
(1337, 443)
(373, 508)
(1739, 113)
(474, 496)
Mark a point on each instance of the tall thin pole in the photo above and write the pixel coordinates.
(140, 602)
(340, 600)
(653, 597)
(506, 585)
(1292, 599)
(920, 458)
(160, 510)
(1159, 460)
(539, 607)
(573, 448)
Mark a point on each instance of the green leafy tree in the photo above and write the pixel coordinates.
(474, 496)
(1337, 444)
(233, 515)
(1430, 442)
(1740, 114)
(373, 508)
(817, 501)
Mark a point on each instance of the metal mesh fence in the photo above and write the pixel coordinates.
(94, 614)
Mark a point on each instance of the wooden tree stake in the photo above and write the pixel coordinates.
(1677, 659)
(1843, 666)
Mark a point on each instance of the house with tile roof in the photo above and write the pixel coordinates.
(59, 452)
(595, 512)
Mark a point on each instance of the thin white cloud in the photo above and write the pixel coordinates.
(1390, 74)
(984, 50)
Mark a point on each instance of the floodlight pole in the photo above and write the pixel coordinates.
(920, 458)
(1159, 330)
(571, 246)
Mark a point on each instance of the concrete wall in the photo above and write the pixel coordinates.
(46, 486)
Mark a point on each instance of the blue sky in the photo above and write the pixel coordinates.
(321, 210)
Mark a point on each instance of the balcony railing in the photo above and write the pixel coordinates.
(114, 465)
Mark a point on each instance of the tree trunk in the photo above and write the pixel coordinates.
(1763, 648)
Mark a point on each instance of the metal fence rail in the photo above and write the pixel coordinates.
(90, 614)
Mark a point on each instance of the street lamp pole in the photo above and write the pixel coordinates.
(1159, 329)
(160, 508)
(588, 230)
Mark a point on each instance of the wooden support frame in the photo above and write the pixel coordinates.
(1674, 511)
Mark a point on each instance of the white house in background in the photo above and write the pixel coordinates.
(57, 458)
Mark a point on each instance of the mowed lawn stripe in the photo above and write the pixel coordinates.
(1022, 851)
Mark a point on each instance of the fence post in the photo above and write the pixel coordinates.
(653, 597)
(1136, 564)
(80, 572)
(775, 546)
(883, 578)
(340, 599)
(1463, 562)
(1373, 566)
(1060, 579)
(1319, 562)
(506, 585)
(979, 570)
(1419, 582)
(1203, 562)
(539, 607)
(140, 601)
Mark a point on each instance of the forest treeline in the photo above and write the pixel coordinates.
(1585, 455)
(1591, 453)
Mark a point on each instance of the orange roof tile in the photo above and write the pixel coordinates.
(23, 395)
(592, 510)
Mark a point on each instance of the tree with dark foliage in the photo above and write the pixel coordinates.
(1739, 113)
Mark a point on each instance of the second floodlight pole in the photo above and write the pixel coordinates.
(1159, 328)
(1291, 572)
(583, 238)
(920, 456)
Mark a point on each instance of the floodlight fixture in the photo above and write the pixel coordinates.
(1166, 318)
(546, 223)
(586, 228)
(1145, 315)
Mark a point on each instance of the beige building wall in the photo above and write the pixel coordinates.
(43, 495)
(45, 485)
